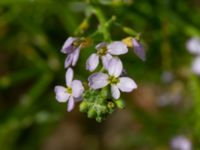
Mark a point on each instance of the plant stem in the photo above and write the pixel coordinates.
(103, 27)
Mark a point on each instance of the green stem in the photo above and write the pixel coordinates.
(103, 27)
(195, 88)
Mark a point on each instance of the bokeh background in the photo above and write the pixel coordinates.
(166, 104)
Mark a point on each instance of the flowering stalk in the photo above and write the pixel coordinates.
(101, 95)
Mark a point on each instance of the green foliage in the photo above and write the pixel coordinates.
(31, 35)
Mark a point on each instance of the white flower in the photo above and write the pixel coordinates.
(72, 92)
(181, 143)
(196, 65)
(105, 52)
(100, 80)
(193, 45)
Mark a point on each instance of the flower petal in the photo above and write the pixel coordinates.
(193, 45)
(98, 80)
(75, 56)
(126, 84)
(70, 104)
(139, 50)
(115, 67)
(68, 60)
(196, 65)
(67, 47)
(115, 92)
(61, 94)
(117, 48)
(69, 76)
(92, 62)
(101, 45)
(105, 60)
(77, 88)
(78, 99)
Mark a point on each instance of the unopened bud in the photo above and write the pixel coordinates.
(120, 103)
(91, 113)
(83, 107)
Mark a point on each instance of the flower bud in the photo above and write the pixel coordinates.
(120, 103)
(83, 107)
(129, 31)
(91, 113)
(104, 92)
(111, 105)
(99, 119)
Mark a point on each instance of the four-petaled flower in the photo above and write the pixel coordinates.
(100, 80)
(72, 92)
(105, 52)
(72, 48)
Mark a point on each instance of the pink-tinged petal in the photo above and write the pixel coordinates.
(67, 47)
(75, 56)
(117, 48)
(68, 60)
(115, 67)
(61, 94)
(101, 45)
(139, 49)
(105, 60)
(92, 62)
(196, 65)
(77, 88)
(115, 92)
(69, 76)
(70, 104)
(98, 80)
(126, 84)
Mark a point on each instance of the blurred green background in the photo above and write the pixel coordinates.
(165, 105)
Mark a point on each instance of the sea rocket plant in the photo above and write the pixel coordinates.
(102, 93)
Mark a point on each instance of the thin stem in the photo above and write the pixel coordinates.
(103, 27)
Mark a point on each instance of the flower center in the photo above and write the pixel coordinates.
(76, 43)
(69, 90)
(102, 51)
(113, 80)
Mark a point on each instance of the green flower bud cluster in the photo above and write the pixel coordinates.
(98, 104)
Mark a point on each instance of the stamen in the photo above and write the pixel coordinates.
(113, 80)
(69, 90)
(102, 51)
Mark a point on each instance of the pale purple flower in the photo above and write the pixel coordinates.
(193, 45)
(105, 52)
(71, 47)
(72, 92)
(138, 49)
(100, 80)
(180, 143)
(196, 65)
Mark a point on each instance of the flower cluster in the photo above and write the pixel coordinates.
(102, 93)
